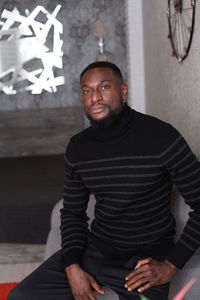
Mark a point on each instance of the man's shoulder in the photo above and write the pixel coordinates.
(151, 120)
(154, 125)
(81, 136)
(155, 133)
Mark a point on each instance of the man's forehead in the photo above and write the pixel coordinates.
(99, 73)
(84, 83)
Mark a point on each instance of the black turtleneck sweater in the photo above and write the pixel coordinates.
(130, 167)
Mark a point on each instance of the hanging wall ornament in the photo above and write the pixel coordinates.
(30, 51)
(181, 19)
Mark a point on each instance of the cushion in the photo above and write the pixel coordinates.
(5, 289)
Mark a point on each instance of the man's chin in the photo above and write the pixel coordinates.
(102, 122)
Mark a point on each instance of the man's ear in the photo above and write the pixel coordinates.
(124, 91)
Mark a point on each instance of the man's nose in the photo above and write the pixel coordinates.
(96, 96)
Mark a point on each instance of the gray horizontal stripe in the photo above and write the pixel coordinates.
(122, 176)
(131, 202)
(82, 231)
(75, 195)
(73, 206)
(189, 183)
(126, 193)
(190, 238)
(84, 201)
(134, 236)
(68, 162)
(138, 197)
(132, 214)
(196, 215)
(187, 245)
(187, 175)
(177, 153)
(73, 180)
(113, 159)
(72, 235)
(121, 185)
(192, 192)
(76, 223)
(180, 161)
(195, 222)
(69, 218)
(82, 226)
(67, 173)
(68, 187)
(120, 193)
(133, 229)
(188, 165)
(123, 157)
(128, 243)
(191, 200)
(155, 191)
(118, 167)
(171, 146)
(138, 221)
(194, 230)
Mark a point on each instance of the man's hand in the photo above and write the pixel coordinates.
(149, 272)
(81, 282)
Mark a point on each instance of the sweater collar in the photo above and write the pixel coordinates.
(121, 125)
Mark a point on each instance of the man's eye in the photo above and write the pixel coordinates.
(86, 91)
(105, 87)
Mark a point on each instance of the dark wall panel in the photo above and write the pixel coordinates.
(30, 187)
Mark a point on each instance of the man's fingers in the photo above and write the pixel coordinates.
(96, 286)
(137, 281)
(144, 287)
(142, 268)
(142, 262)
(89, 295)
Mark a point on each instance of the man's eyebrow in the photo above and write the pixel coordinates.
(105, 80)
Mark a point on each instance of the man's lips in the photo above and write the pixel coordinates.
(97, 108)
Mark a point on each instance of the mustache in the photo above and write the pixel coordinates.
(96, 104)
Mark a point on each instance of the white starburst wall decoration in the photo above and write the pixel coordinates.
(30, 51)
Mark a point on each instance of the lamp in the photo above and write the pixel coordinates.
(99, 30)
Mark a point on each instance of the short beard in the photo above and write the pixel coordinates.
(107, 121)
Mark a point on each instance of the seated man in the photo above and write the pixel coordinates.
(129, 161)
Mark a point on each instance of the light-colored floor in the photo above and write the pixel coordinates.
(21, 253)
(16, 272)
(17, 261)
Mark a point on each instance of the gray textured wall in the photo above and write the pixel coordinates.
(172, 89)
(80, 47)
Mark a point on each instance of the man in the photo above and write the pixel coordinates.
(128, 160)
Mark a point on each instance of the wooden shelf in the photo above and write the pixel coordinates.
(38, 132)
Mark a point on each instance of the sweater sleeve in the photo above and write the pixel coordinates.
(184, 169)
(74, 226)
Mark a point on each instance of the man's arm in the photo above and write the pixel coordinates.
(74, 232)
(184, 169)
(74, 226)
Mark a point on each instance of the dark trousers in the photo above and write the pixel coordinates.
(49, 281)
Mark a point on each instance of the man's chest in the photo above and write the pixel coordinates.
(122, 174)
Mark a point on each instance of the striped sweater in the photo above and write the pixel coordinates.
(130, 168)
